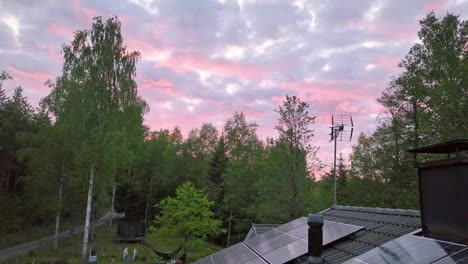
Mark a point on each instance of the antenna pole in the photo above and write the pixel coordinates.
(334, 172)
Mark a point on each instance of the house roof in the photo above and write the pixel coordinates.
(445, 147)
(258, 229)
(380, 226)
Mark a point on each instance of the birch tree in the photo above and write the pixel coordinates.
(95, 88)
(294, 134)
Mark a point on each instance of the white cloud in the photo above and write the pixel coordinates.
(232, 88)
(147, 5)
(194, 101)
(326, 67)
(12, 23)
(234, 52)
(372, 44)
(370, 66)
(158, 56)
(373, 11)
(260, 49)
(204, 77)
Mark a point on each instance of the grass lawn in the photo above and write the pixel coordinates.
(110, 251)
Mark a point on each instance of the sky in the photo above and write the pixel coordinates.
(203, 60)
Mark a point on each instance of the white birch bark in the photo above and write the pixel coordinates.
(111, 214)
(59, 207)
(88, 216)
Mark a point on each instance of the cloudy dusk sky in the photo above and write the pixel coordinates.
(202, 60)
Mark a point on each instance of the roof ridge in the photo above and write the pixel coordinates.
(378, 210)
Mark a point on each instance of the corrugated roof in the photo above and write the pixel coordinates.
(381, 225)
(258, 229)
(445, 147)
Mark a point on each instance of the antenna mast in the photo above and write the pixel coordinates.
(338, 131)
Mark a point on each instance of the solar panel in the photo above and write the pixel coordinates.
(290, 240)
(279, 245)
(459, 258)
(236, 254)
(408, 249)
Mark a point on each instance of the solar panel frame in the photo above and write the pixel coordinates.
(292, 225)
(235, 254)
(279, 245)
(293, 242)
(263, 237)
(286, 253)
(408, 249)
(333, 231)
(458, 257)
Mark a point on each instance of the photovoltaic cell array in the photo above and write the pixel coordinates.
(461, 257)
(279, 245)
(235, 254)
(411, 249)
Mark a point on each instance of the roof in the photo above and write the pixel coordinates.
(380, 226)
(445, 147)
(258, 229)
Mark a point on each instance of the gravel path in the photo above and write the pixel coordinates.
(24, 248)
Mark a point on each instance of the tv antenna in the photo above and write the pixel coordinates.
(342, 130)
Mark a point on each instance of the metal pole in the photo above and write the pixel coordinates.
(334, 170)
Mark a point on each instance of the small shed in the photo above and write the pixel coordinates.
(131, 232)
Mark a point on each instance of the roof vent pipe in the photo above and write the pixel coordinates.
(315, 222)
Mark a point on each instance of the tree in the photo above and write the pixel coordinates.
(3, 76)
(95, 89)
(188, 215)
(218, 165)
(294, 136)
(242, 149)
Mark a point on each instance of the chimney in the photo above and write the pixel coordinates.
(315, 222)
(443, 186)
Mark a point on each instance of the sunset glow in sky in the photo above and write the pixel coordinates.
(202, 60)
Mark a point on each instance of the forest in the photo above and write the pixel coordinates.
(85, 150)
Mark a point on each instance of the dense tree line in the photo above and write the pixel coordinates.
(427, 103)
(85, 148)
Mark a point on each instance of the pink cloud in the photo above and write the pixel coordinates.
(88, 12)
(54, 29)
(390, 63)
(329, 90)
(347, 107)
(222, 67)
(39, 76)
(435, 5)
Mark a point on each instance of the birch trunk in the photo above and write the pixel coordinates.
(93, 219)
(111, 214)
(148, 199)
(229, 228)
(59, 207)
(88, 216)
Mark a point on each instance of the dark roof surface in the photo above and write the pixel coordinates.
(258, 229)
(445, 147)
(381, 225)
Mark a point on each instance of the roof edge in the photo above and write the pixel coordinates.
(377, 210)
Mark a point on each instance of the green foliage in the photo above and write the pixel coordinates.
(426, 104)
(188, 215)
(218, 164)
(290, 155)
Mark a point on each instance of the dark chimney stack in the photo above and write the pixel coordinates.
(315, 222)
(443, 186)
